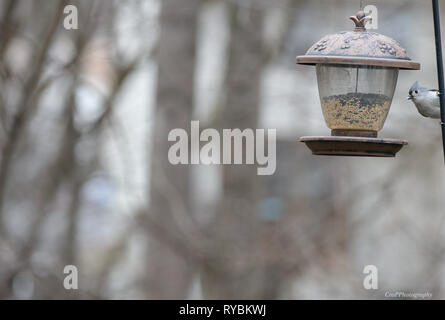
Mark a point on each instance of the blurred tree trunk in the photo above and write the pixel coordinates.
(234, 271)
(169, 273)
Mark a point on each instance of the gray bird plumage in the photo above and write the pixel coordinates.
(426, 100)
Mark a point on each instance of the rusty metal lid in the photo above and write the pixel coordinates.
(359, 47)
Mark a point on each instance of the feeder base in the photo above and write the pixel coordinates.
(353, 146)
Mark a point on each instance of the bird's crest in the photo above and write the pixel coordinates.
(415, 86)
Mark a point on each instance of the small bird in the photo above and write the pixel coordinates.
(426, 100)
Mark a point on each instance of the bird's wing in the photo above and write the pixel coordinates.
(435, 91)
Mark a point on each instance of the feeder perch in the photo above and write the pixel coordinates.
(357, 74)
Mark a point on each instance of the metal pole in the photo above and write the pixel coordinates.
(439, 69)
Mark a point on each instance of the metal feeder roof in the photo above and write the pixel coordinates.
(359, 47)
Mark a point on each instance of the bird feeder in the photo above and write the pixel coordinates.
(357, 74)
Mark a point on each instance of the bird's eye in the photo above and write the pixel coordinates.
(415, 92)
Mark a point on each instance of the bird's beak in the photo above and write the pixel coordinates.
(409, 97)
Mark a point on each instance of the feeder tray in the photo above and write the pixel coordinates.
(357, 74)
(353, 146)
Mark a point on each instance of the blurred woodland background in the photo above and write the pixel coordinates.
(84, 176)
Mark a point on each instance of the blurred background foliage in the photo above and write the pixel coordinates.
(84, 176)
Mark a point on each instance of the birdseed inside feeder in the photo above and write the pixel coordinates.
(357, 75)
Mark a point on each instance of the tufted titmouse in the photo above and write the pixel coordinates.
(426, 100)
